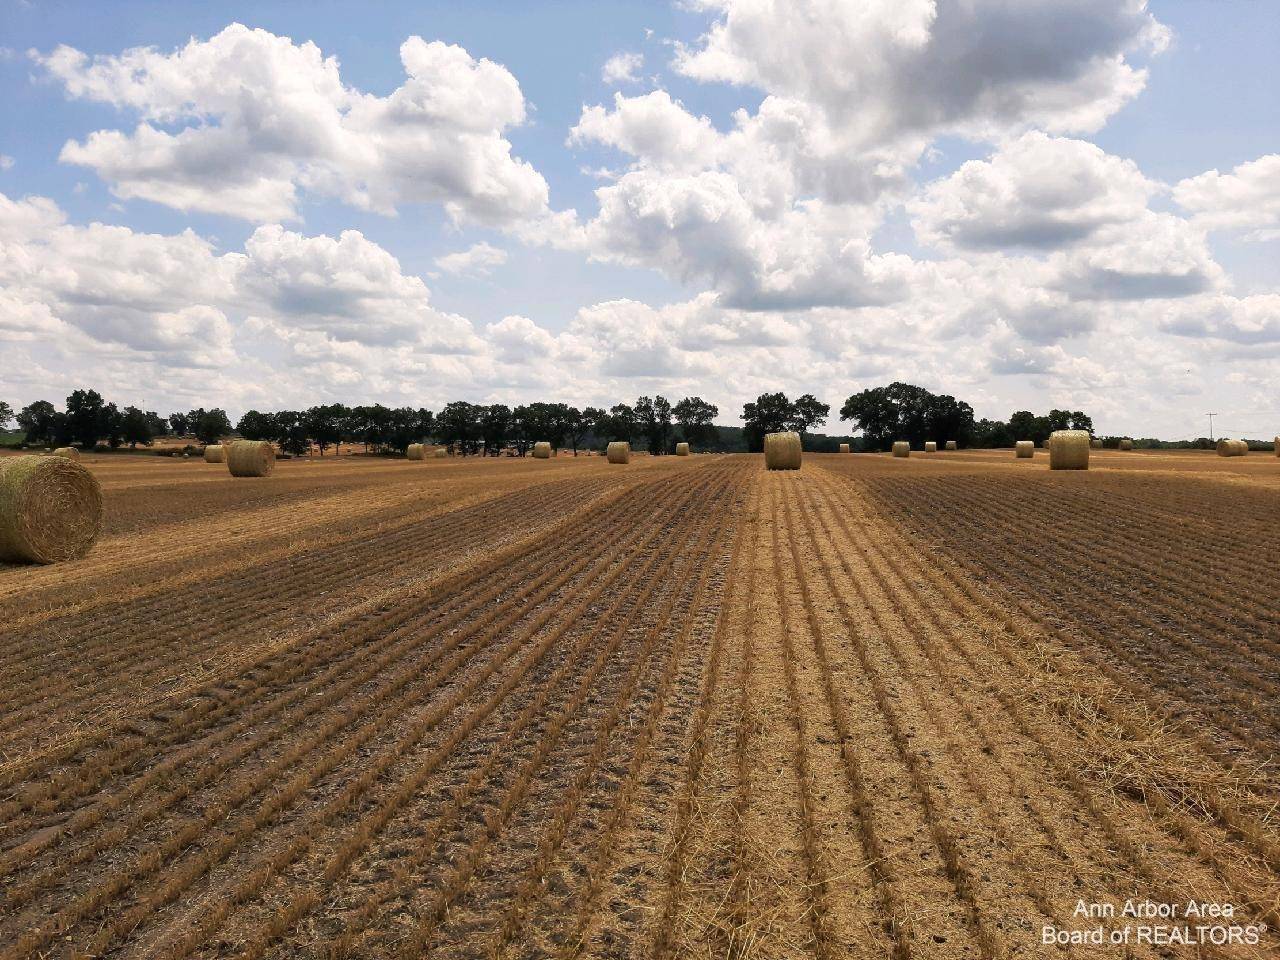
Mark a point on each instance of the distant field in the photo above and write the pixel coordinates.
(683, 707)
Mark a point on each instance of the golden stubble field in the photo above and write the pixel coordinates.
(683, 707)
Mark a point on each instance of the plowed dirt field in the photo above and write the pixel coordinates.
(684, 707)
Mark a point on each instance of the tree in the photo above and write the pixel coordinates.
(180, 426)
(495, 426)
(40, 421)
(291, 432)
(581, 423)
(136, 427)
(158, 424)
(902, 411)
(324, 424)
(694, 417)
(6, 414)
(619, 424)
(88, 418)
(458, 425)
(769, 413)
(653, 418)
(807, 412)
(253, 426)
(208, 426)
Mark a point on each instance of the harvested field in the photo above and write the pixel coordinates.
(465, 708)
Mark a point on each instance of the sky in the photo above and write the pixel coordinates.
(1027, 204)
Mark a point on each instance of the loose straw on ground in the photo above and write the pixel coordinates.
(782, 451)
(50, 509)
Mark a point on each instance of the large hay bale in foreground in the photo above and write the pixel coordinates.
(782, 451)
(1095, 444)
(1126, 444)
(50, 509)
(1024, 449)
(214, 453)
(682, 449)
(71, 453)
(1069, 450)
(251, 458)
(931, 446)
(844, 448)
(1232, 448)
(542, 450)
(952, 445)
(416, 451)
(619, 451)
(901, 448)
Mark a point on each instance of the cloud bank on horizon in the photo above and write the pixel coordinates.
(812, 251)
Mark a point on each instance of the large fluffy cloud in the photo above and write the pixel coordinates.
(243, 122)
(888, 69)
(1246, 198)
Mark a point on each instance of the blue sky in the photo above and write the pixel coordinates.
(733, 262)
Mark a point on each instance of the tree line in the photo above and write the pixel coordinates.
(468, 429)
(899, 411)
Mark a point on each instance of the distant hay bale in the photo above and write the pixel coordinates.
(844, 448)
(416, 451)
(901, 448)
(931, 446)
(952, 445)
(1232, 448)
(542, 450)
(1095, 444)
(1024, 449)
(682, 449)
(441, 453)
(1069, 450)
(50, 509)
(71, 453)
(619, 451)
(782, 451)
(1277, 446)
(251, 458)
(1126, 444)
(215, 453)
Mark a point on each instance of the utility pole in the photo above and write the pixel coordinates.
(1211, 416)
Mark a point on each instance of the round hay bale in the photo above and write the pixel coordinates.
(844, 448)
(71, 453)
(1095, 444)
(416, 451)
(1232, 448)
(931, 446)
(952, 445)
(215, 454)
(1126, 444)
(619, 451)
(682, 449)
(1024, 449)
(1069, 450)
(542, 450)
(782, 451)
(901, 448)
(50, 509)
(251, 458)
(441, 453)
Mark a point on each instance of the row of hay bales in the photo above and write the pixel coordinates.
(902, 448)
